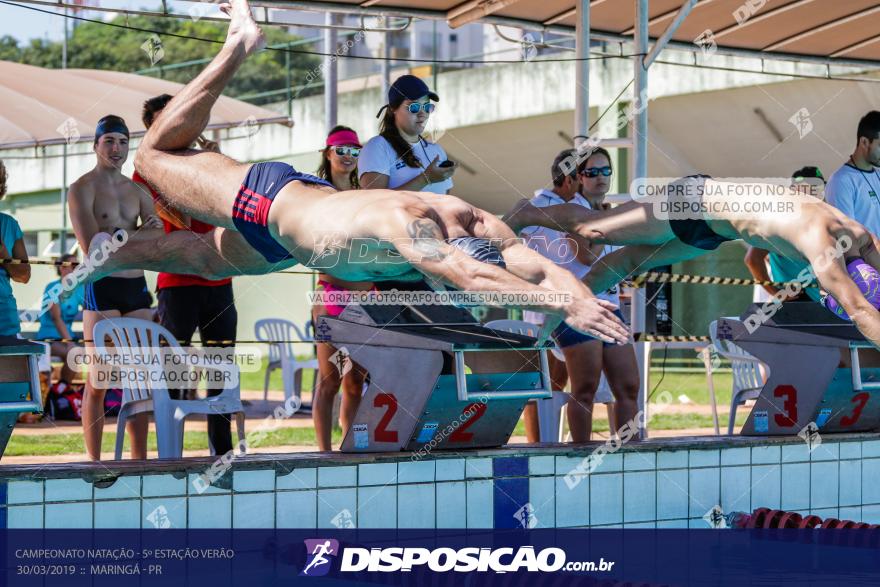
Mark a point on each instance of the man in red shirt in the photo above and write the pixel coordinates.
(188, 302)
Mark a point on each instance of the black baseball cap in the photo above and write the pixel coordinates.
(806, 173)
(407, 87)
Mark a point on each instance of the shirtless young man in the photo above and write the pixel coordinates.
(809, 229)
(104, 200)
(269, 216)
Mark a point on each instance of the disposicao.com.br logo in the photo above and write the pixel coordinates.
(439, 560)
(321, 552)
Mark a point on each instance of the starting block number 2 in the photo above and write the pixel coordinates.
(790, 415)
(469, 416)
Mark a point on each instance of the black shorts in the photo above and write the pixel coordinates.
(210, 309)
(692, 231)
(123, 294)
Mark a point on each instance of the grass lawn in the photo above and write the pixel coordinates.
(692, 385)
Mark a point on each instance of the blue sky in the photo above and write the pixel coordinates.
(25, 24)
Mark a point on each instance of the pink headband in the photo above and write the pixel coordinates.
(343, 137)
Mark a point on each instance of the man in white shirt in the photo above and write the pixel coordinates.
(854, 189)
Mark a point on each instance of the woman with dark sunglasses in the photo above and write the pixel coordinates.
(339, 163)
(616, 361)
(400, 158)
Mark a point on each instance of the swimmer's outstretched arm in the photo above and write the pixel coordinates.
(614, 267)
(832, 275)
(427, 251)
(632, 223)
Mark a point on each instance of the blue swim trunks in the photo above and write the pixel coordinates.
(250, 213)
(566, 336)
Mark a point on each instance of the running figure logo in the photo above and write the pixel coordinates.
(320, 551)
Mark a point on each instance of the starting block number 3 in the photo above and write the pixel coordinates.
(789, 405)
(469, 416)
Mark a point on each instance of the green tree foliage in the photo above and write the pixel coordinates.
(98, 46)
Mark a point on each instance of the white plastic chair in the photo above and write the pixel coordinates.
(282, 356)
(550, 409)
(747, 378)
(132, 338)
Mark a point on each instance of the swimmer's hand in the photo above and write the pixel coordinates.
(152, 221)
(437, 174)
(596, 317)
(208, 145)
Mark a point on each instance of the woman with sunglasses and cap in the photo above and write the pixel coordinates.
(339, 166)
(399, 157)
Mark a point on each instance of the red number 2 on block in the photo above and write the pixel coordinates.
(859, 399)
(476, 411)
(382, 434)
(789, 405)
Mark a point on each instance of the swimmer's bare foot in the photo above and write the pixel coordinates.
(521, 215)
(243, 30)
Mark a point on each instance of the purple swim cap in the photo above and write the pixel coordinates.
(868, 281)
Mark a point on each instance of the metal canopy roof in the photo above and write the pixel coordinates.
(827, 31)
(837, 30)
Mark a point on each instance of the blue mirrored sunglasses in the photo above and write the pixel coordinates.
(596, 171)
(415, 107)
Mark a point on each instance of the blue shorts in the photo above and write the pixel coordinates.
(565, 336)
(250, 213)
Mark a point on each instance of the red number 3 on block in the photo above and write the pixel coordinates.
(860, 400)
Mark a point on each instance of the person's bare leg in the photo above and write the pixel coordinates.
(216, 254)
(138, 426)
(352, 389)
(530, 422)
(628, 224)
(93, 398)
(329, 380)
(558, 381)
(202, 184)
(622, 371)
(186, 115)
(584, 382)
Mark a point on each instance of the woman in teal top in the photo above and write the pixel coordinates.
(11, 245)
(58, 310)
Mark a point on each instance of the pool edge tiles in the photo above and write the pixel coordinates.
(642, 484)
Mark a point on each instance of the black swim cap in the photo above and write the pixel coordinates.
(111, 123)
(480, 249)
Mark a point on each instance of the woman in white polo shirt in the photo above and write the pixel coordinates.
(399, 157)
(617, 362)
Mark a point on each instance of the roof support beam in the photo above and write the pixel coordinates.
(664, 39)
(664, 17)
(569, 13)
(474, 10)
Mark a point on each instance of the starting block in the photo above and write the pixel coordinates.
(437, 378)
(19, 383)
(803, 345)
